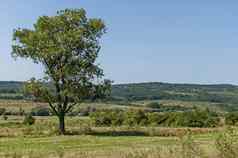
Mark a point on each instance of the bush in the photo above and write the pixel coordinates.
(100, 118)
(153, 118)
(117, 118)
(29, 120)
(196, 118)
(200, 118)
(135, 118)
(107, 117)
(40, 111)
(231, 118)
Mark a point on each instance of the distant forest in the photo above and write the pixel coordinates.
(222, 93)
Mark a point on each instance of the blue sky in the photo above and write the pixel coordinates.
(183, 41)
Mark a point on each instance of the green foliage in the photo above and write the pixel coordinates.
(231, 118)
(67, 45)
(199, 118)
(107, 117)
(10, 90)
(196, 118)
(154, 118)
(184, 92)
(222, 97)
(135, 118)
(28, 119)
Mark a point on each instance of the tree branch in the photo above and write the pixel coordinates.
(70, 107)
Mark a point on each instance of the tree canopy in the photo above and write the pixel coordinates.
(67, 45)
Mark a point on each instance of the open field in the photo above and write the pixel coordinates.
(84, 140)
(16, 105)
(72, 108)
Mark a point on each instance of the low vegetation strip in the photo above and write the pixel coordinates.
(195, 118)
(86, 140)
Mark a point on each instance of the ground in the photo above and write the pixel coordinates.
(41, 138)
(87, 141)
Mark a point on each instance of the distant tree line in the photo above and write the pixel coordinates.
(182, 92)
(226, 94)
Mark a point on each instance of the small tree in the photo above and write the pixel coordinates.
(67, 45)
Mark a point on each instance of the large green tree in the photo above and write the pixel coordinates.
(67, 45)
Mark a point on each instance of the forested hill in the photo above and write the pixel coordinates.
(221, 93)
(10, 86)
(189, 92)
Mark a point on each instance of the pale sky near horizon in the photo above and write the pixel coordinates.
(184, 41)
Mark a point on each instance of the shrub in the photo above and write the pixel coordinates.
(161, 119)
(107, 117)
(118, 118)
(135, 118)
(212, 122)
(196, 118)
(29, 119)
(100, 118)
(153, 118)
(231, 118)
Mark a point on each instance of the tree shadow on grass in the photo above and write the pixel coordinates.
(119, 133)
(108, 133)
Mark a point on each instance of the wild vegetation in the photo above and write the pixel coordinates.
(20, 139)
(195, 118)
(223, 97)
(144, 120)
(120, 129)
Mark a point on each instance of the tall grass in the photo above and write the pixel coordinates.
(184, 145)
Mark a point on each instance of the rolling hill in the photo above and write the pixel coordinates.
(220, 93)
(189, 92)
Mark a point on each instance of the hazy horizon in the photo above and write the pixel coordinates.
(172, 42)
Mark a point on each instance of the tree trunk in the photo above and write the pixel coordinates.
(61, 124)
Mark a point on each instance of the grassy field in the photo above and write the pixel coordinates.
(16, 105)
(84, 140)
